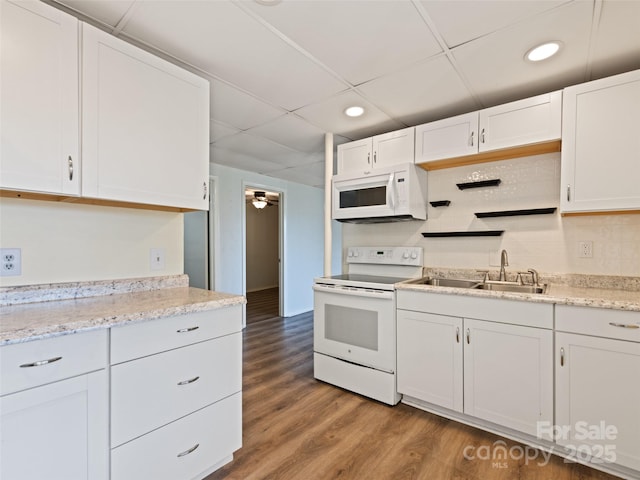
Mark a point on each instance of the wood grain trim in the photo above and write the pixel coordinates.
(494, 156)
(612, 212)
(51, 197)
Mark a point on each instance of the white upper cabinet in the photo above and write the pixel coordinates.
(379, 151)
(39, 115)
(145, 126)
(600, 146)
(524, 122)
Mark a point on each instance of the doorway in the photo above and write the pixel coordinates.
(263, 247)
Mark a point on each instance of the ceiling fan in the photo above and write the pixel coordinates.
(261, 200)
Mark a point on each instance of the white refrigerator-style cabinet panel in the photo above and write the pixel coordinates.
(57, 431)
(430, 358)
(145, 136)
(448, 138)
(39, 110)
(508, 374)
(523, 122)
(596, 382)
(601, 146)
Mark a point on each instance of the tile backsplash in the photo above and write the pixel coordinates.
(548, 243)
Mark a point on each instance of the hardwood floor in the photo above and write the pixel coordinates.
(262, 305)
(295, 427)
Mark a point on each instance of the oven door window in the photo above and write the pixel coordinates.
(351, 326)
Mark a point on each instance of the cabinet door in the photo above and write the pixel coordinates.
(394, 147)
(57, 431)
(532, 120)
(39, 117)
(355, 156)
(448, 138)
(508, 374)
(430, 358)
(600, 149)
(597, 390)
(145, 126)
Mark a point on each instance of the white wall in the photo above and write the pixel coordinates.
(262, 269)
(65, 242)
(303, 235)
(547, 243)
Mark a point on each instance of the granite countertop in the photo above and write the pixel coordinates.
(560, 294)
(23, 322)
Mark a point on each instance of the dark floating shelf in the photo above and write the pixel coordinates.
(483, 233)
(441, 203)
(513, 213)
(479, 184)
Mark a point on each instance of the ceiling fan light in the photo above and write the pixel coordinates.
(259, 204)
(354, 111)
(542, 52)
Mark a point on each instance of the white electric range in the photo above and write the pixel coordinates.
(354, 339)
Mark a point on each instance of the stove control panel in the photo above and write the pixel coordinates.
(385, 255)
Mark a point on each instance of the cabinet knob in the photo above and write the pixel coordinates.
(562, 357)
(368, 158)
(190, 450)
(624, 325)
(204, 186)
(457, 334)
(471, 139)
(568, 193)
(189, 329)
(187, 382)
(70, 162)
(482, 136)
(468, 336)
(375, 157)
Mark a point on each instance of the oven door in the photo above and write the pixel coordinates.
(356, 325)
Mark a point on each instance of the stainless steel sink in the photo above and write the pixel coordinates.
(501, 287)
(448, 282)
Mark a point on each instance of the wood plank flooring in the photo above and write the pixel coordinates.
(262, 304)
(295, 427)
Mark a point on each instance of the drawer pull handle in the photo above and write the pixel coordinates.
(457, 334)
(468, 337)
(40, 362)
(187, 382)
(624, 325)
(187, 452)
(562, 357)
(190, 329)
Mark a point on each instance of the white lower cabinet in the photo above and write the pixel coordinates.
(495, 371)
(187, 449)
(176, 395)
(598, 385)
(54, 423)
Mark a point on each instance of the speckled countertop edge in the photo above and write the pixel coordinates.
(38, 320)
(556, 294)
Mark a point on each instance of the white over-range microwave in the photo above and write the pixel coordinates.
(390, 194)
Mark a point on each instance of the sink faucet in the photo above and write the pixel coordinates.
(504, 262)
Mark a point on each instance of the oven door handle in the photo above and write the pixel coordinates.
(354, 292)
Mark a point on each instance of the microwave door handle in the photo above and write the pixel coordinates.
(390, 192)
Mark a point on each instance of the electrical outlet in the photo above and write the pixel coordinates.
(156, 258)
(10, 262)
(585, 249)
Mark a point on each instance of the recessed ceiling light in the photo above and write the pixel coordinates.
(354, 111)
(542, 52)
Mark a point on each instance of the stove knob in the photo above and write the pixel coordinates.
(350, 254)
(414, 255)
(355, 253)
(405, 255)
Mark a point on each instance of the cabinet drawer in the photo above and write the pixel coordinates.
(153, 391)
(30, 364)
(600, 322)
(139, 340)
(215, 431)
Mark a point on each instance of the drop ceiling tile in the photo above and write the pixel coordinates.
(362, 39)
(464, 20)
(329, 115)
(311, 174)
(495, 67)
(105, 11)
(292, 131)
(241, 161)
(222, 39)
(617, 45)
(219, 130)
(260, 148)
(239, 109)
(427, 91)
